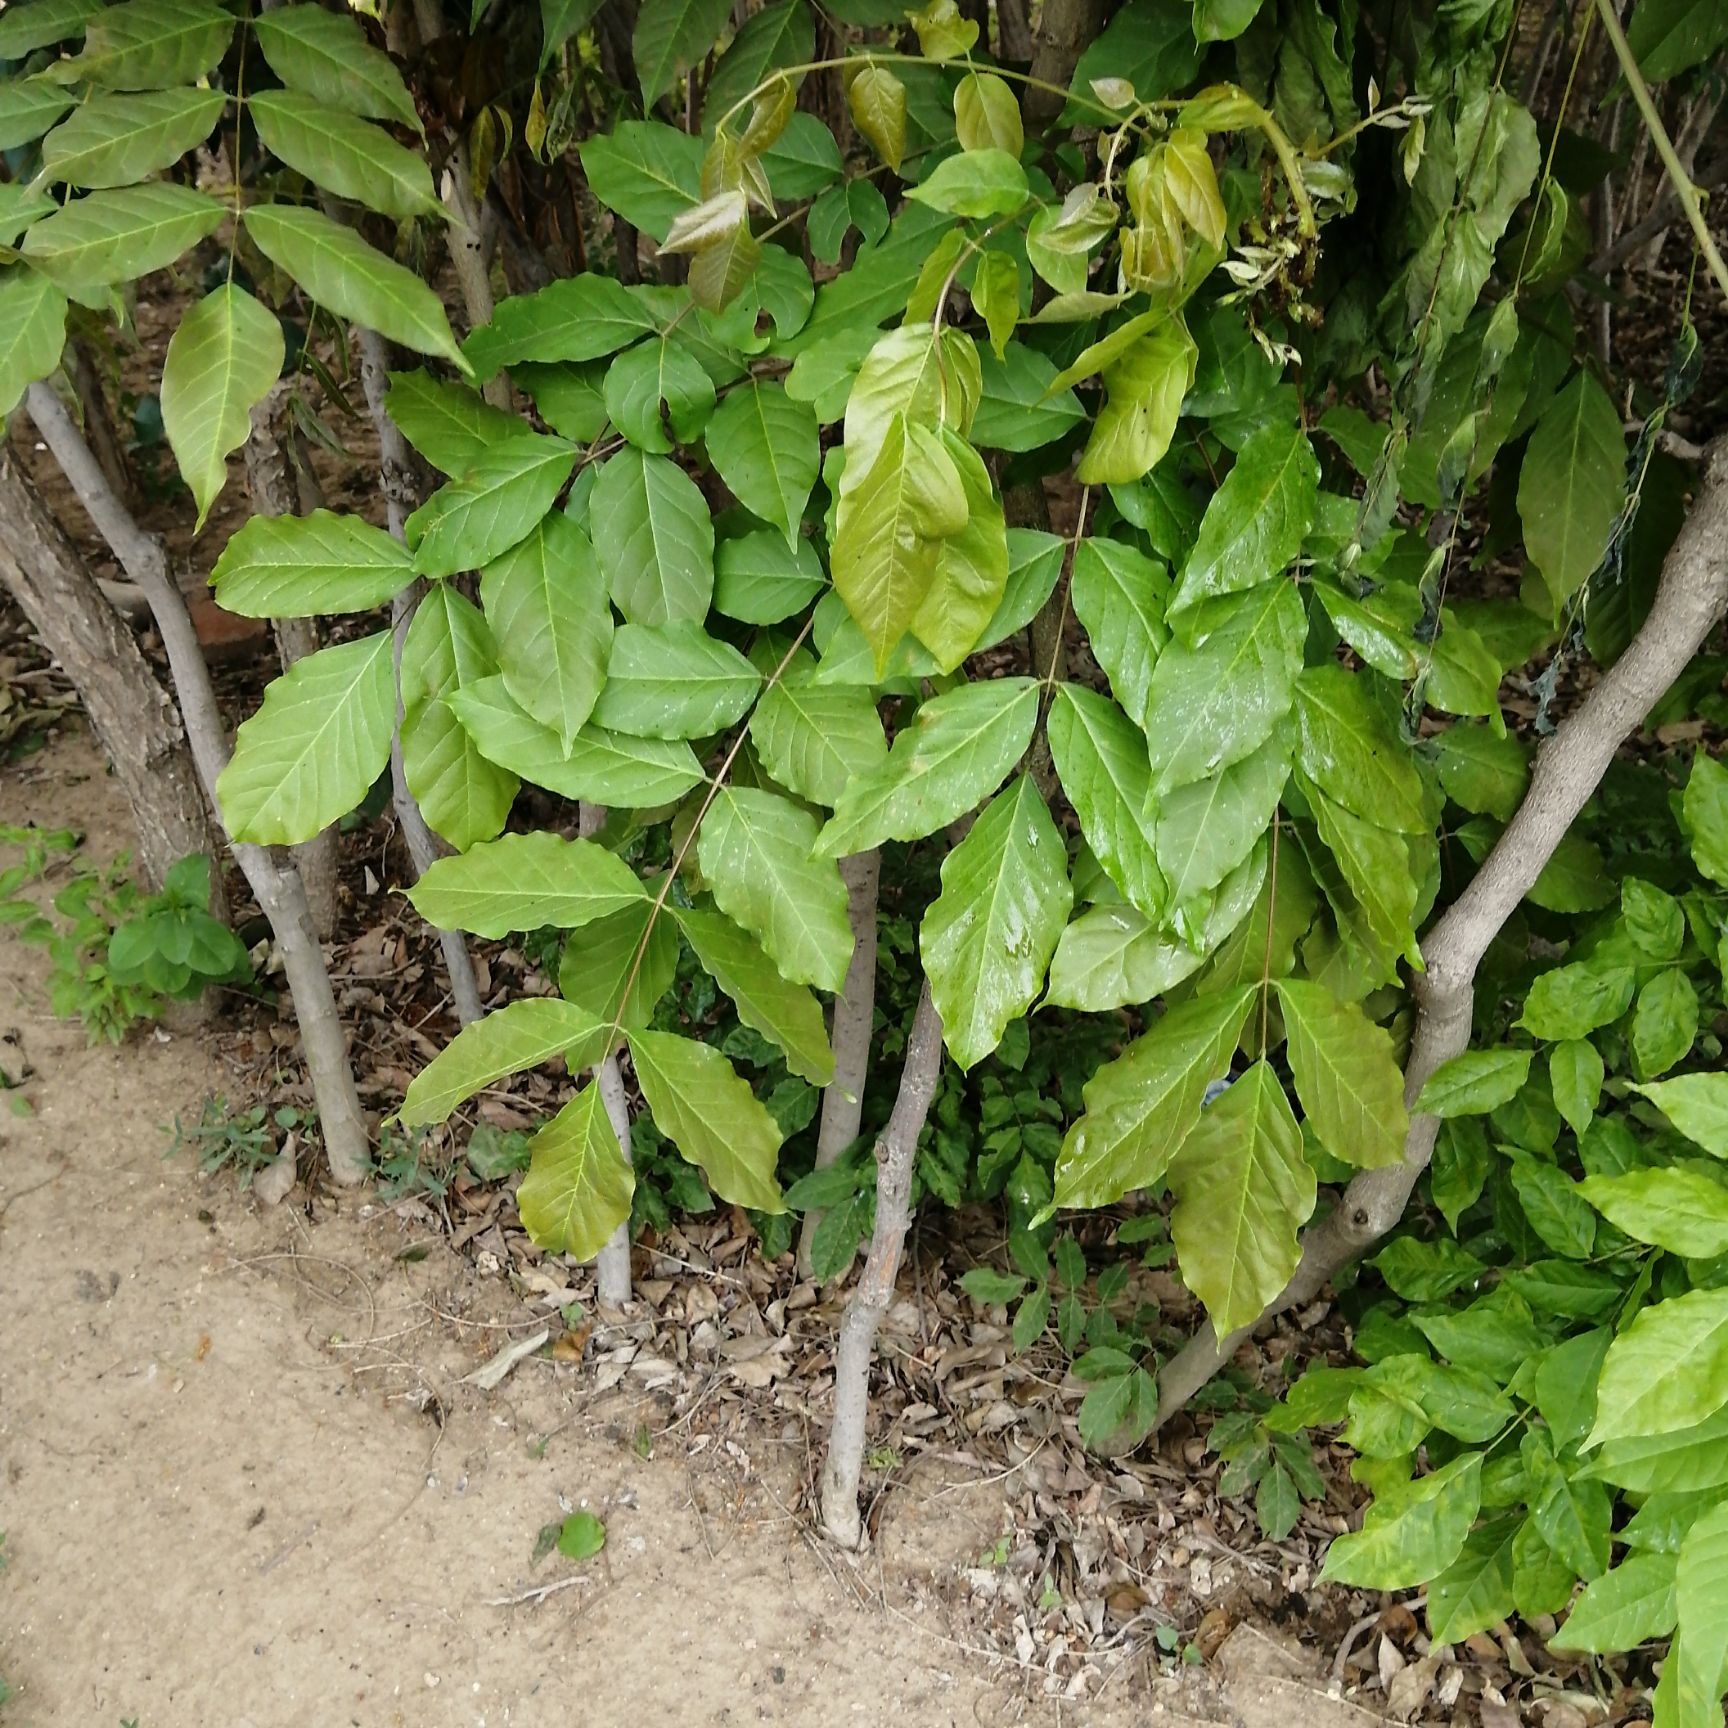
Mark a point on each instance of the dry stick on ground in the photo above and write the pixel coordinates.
(396, 477)
(854, 1020)
(275, 492)
(275, 886)
(134, 718)
(874, 1290)
(1690, 601)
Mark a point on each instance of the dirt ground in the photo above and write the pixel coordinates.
(242, 1484)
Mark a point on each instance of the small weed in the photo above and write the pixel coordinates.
(643, 1441)
(405, 1164)
(882, 1458)
(242, 1141)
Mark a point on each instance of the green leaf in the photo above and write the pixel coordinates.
(1701, 1601)
(600, 768)
(452, 426)
(1573, 1001)
(979, 183)
(971, 573)
(578, 318)
(1414, 1535)
(119, 140)
(1475, 1591)
(579, 1183)
(815, 739)
(785, 1014)
(24, 29)
(581, 1536)
(1572, 1511)
(1669, 37)
(765, 447)
(1144, 386)
(525, 881)
(469, 522)
(1141, 1107)
(570, 396)
(1101, 760)
(877, 102)
(1681, 1210)
(1654, 920)
(1485, 774)
(1349, 748)
(521, 1035)
(546, 602)
(1689, 1460)
(32, 332)
(674, 681)
(671, 37)
(1624, 1608)
(1224, 21)
(755, 849)
(1571, 486)
(987, 938)
(621, 965)
(344, 154)
(1243, 1190)
(659, 538)
(1376, 867)
(655, 375)
(340, 271)
(28, 108)
(1697, 1104)
(1704, 812)
(1120, 594)
(1426, 1271)
(148, 45)
(1665, 1022)
(646, 172)
(314, 748)
(987, 116)
(777, 36)
(121, 235)
(1573, 879)
(1346, 1075)
(710, 1114)
(1148, 43)
(1575, 1074)
(1016, 411)
(959, 748)
(308, 566)
(1474, 1083)
(1219, 696)
(1256, 521)
(222, 360)
(326, 55)
(1667, 1371)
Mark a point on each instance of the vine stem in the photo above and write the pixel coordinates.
(1678, 178)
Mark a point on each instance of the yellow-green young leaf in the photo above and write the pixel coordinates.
(658, 538)
(788, 1015)
(756, 851)
(1575, 1074)
(28, 108)
(546, 602)
(1701, 1602)
(986, 116)
(1681, 1210)
(1191, 184)
(1375, 864)
(674, 681)
(888, 529)
(1667, 1371)
(1346, 1074)
(524, 882)
(1119, 594)
(996, 295)
(975, 183)
(971, 571)
(148, 45)
(449, 424)
(1101, 760)
(1665, 1022)
(1220, 695)
(601, 767)
(1144, 388)
(1475, 1591)
(877, 100)
(579, 1184)
(463, 797)
(707, 224)
(120, 140)
(24, 29)
(1254, 524)
(1243, 1190)
(1141, 1107)
(959, 748)
(1704, 808)
(944, 31)
(767, 448)
(121, 235)
(222, 360)
(312, 751)
(1571, 486)
(924, 377)
(339, 270)
(671, 37)
(1697, 1104)
(307, 566)
(621, 965)
(326, 55)
(469, 522)
(1475, 1083)
(987, 938)
(700, 1103)
(1624, 1608)
(1414, 1535)
(521, 1035)
(719, 273)
(815, 738)
(32, 332)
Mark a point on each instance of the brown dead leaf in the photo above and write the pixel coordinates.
(1214, 1628)
(570, 1346)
